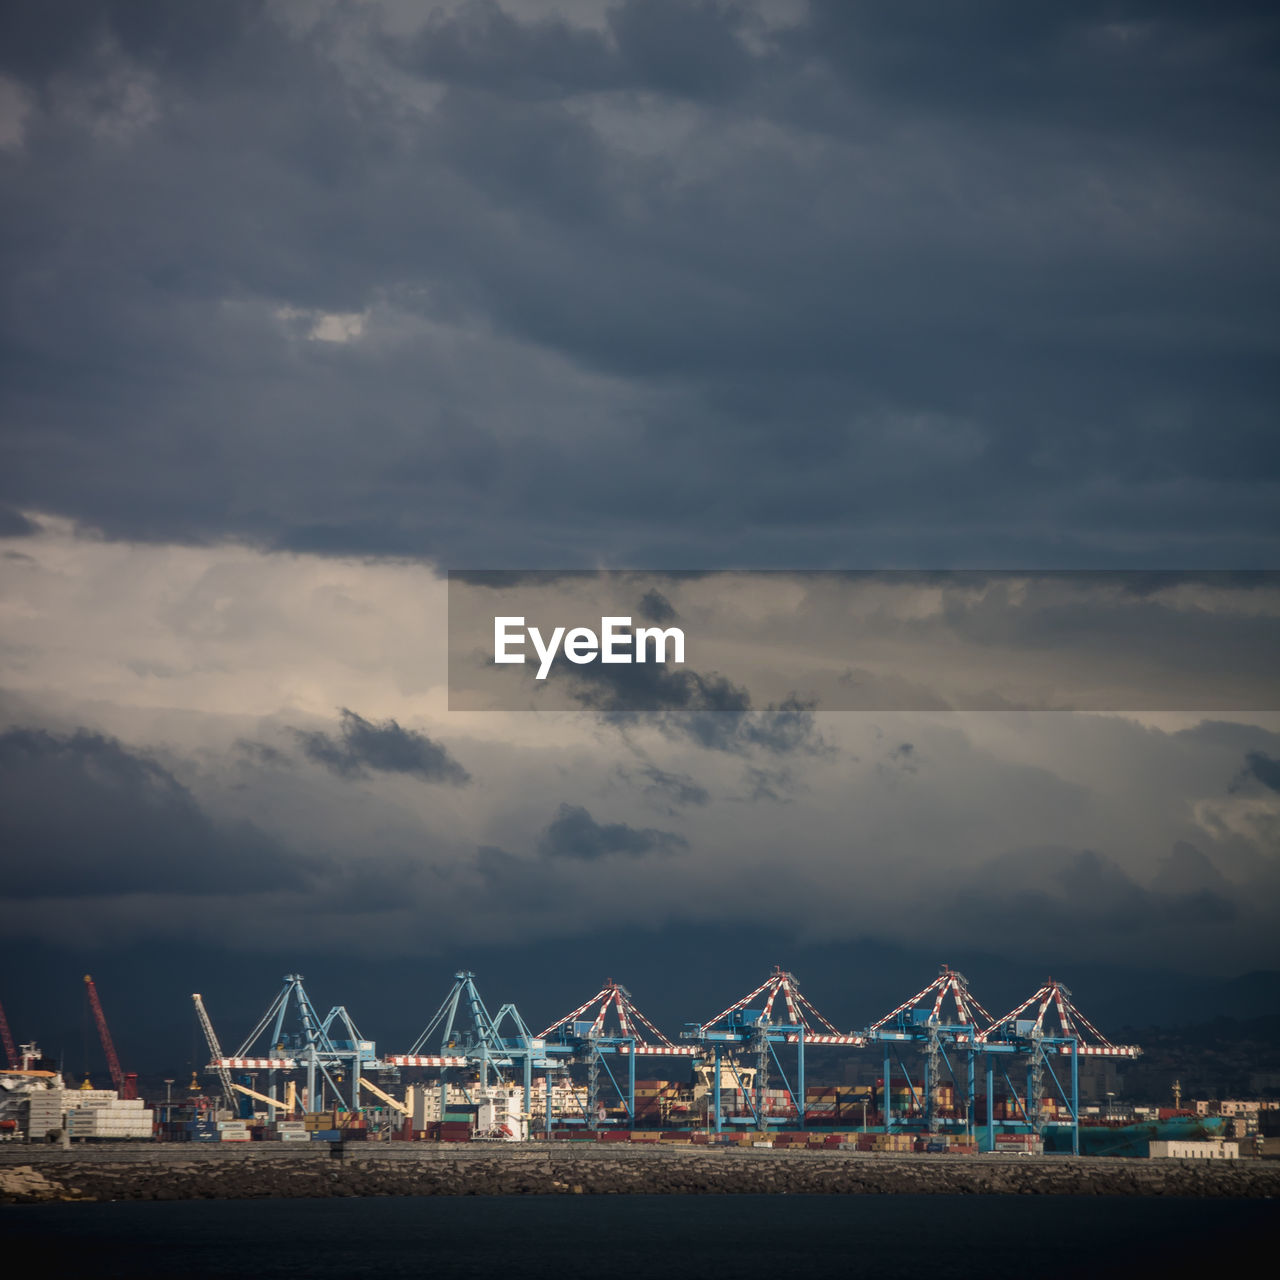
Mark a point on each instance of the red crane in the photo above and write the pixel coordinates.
(10, 1049)
(126, 1085)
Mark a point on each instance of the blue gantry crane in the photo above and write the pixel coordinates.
(330, 1050)
(943, 1021)
(951, 1029)
(749, 1028)
(588, 1035)
(470, 1038)
(744, 1045)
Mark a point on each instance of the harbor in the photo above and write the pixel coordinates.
(189, 1172)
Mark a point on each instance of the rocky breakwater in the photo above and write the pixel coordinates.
(32, 1174)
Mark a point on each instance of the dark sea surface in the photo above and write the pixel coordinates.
(667, 1237)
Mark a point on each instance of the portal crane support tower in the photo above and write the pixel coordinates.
(741, 1030)
(943, 1022)
(316, 1051)
(585, 1035)
(471, 1037)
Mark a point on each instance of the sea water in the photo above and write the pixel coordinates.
(637, 1237)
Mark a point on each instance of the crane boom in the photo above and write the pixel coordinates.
(215, 1050)
(10, 1049)
(386, 1097)
(286, 1106)
(125, 1086)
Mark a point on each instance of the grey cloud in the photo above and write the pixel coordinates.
(904, 317)
(149, 30)
(614, 688)
(1262, 768)
(655, 607)
(483, 46)
(13, 524)
(381, 886)
(574, 833)
(863, 288)
(708, 709)
(904, 758)
(1082, 69)
(775, 785)
(785, 727)
(1187, 872)
(263, 753)
(362, 745)
(1082, 900)
(517, 879)
(781, 728)
(81, 815)
(677, 789)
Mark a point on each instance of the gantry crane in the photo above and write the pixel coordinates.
(945, 1014)
(472, 1038)
(1058, 1030)
(585, 1035)
(331, 1051)
(754, 1031)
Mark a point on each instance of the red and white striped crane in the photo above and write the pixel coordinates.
(800, 1012)
(965, 1009)
(1056, 1015)
(613, 995)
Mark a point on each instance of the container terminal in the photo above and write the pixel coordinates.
(937, 1074)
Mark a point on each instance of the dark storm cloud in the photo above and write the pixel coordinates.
(1262, 768)
(13, 524)
(655, 607)
(615, 688)
(483, 47)
(990, 286)
(362, 745)
(706, 708)
(84, 816)
(786, 727)
(35, 48)
(975, 641)
(525, 879)
(779, 729)
(1095, 66)
(1186, 871)
(709, 710)
(1080, 901)
(574, 833)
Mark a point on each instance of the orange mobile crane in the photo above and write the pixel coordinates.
(126, 1085)
(10, 1049)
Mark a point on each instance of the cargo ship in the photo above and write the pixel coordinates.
(33, 1080)
(1121, 1138)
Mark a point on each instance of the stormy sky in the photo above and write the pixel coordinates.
(305, 304)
